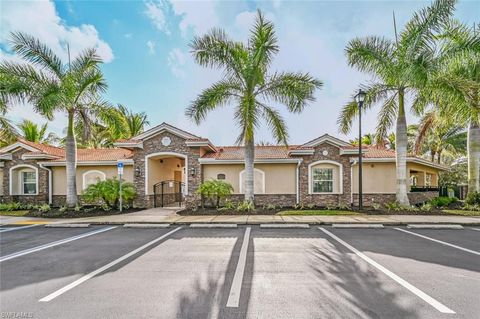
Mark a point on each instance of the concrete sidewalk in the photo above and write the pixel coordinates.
(266, 219)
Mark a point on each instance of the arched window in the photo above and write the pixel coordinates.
(23, 180)
(92, 177)
(258, 181)
(325, 177)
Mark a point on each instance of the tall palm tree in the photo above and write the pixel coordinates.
(249, 86)
(399, 67)
(33, 132)
(51, 85)
(367, 139)
(458, 87)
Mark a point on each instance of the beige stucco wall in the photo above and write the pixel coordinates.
(335, 173)
(279, 178)
(381, 177)
(60, 181)
(163, 171)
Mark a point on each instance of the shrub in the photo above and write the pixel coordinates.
(63, 209)
(442, 201)
(8, 207)
(393, 206)
(475, 208)
(269, 207)
(215, 190)
(473, 198)
(230, 205)
(246, 206)
(299, 206)
(108, 192)
(426, 207)
(376, 206)
(44, 208)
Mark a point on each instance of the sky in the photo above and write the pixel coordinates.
(148, 66)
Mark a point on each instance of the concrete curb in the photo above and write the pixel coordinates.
(284, 226)
(434, 226)
(213, 225)
(67, 225)
(375, 226)
(146, 225)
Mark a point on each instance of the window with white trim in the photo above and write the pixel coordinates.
(322, 180)
(29, 182)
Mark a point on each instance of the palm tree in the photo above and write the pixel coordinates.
(50, 85)
(438, 135)
(249, 86)
(458, 88)
(367, 139)
(134, 122)
(399, 68)
(32, 132)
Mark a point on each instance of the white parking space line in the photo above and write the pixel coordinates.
(53, 244)
(17, 228)
(236, 288)
(430, 300)
(477, 229)
(440, 242)
(81, 280)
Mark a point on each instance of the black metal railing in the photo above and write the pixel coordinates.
(168, 193)
(417, 189)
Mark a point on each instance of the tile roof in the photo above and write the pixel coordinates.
(99, 154)
(238, 152)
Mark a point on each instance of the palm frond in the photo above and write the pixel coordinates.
(295, 90)
(36, 52)
(276, 123)
(218, 95)
(372, 55)
(386, 117)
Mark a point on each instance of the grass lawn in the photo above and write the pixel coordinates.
(462, 212)
(320, 212)
(14, 213)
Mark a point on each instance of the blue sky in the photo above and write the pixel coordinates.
(149, 68)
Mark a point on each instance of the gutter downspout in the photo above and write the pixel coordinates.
(351, 181)
(297, 182)
(49, 183)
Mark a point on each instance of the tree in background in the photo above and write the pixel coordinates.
(50, 85)
(33, 132)
(399, 67)
(248, 84)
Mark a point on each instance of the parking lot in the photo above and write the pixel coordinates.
(244, 272)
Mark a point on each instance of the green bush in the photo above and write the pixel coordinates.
(214, 191)
(475, 208)
(8, 207)
(246, 206)
(44, 208)
(442, 201)
(473, 198)
(108, 192)
(394, 206)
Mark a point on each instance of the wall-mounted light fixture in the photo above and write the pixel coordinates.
(192, 171)
(138, 172)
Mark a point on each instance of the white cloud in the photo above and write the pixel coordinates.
(199, 16)
(128, 35)
(155, 11)
(176, 61)
(40, 19)
(151, 47)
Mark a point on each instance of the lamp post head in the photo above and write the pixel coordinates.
(360, 97)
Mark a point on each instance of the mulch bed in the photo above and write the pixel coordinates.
(213, 211)
(86, 212)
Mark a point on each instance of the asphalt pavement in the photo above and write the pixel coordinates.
(242, 272)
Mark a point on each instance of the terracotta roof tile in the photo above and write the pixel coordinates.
(101, 154)
(238, 152)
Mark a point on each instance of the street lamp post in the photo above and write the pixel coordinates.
(360, 97)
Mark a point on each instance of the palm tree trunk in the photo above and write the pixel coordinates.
(473, 149)
(401, 144)
(71, 163)
(249, 167)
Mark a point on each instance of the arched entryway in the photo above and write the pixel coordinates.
(165, 178)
